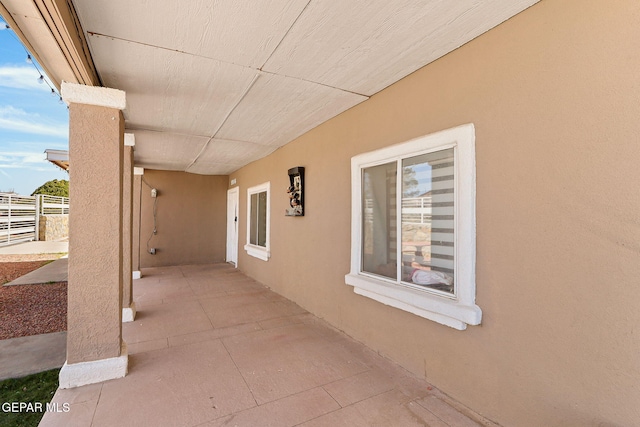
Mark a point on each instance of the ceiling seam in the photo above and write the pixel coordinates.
(285, 34)
(226, 117)
(91, 33)
(134, 129)
(233, 63)
(317, 83)
(244, 94)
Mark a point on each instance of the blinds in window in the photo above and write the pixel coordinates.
(428, 217)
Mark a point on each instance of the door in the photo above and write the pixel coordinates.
(233, 198)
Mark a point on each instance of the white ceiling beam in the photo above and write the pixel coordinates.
(129, 140)
(73, 93)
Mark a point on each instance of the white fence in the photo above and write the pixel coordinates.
(19, 215)
(52, 205)
(416, 210)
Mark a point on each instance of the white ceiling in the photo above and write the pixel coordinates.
(213, 85)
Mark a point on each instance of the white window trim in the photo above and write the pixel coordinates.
(455, 311)
(256, 251)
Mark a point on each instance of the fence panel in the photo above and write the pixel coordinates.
(18, 218)
(53, 205)
(19, 215)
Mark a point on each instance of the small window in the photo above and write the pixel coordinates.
(258, 221)
(413, 226)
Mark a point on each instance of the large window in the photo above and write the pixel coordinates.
(413, 226)
(258, 221)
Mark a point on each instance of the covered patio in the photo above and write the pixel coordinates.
(515, 121)
(211, 346)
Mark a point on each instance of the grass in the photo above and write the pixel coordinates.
(36, 388)
(55, 255)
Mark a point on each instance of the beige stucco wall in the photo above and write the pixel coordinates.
(94, 294)
(191, 214)
(554, 95)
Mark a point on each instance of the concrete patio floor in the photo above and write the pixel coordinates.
(212, 347)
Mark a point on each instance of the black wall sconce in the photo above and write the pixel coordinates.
(296, 192)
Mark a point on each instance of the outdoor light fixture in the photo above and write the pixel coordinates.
(29, 60)
(41, 79)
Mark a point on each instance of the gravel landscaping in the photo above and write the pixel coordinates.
(30, 309)
(12, 270)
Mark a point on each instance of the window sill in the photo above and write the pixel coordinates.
(258, 252)
(450, 312)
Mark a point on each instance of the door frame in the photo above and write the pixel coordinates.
(233, 200)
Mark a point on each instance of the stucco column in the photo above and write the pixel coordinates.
(128, 306)
(95, 350)
(137, 194)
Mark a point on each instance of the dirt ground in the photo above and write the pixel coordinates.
(30, 309)
(12, 270)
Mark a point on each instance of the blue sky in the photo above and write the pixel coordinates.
(31, 120)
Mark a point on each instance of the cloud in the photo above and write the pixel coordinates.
(26, 156)
(24, 160)
(31, 146)
(18, 120)
(22, 77)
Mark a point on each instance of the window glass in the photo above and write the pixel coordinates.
(253, 235)
(379, 220)
(413, 226)
(258, 233)
(262, 219)
(428, 220)
(258, 226)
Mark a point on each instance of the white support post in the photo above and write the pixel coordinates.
(9, 223)
(38, 202)
(128, 305)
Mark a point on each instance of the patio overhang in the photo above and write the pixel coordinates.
(59, 158)
(209, 88)
(212, 87)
